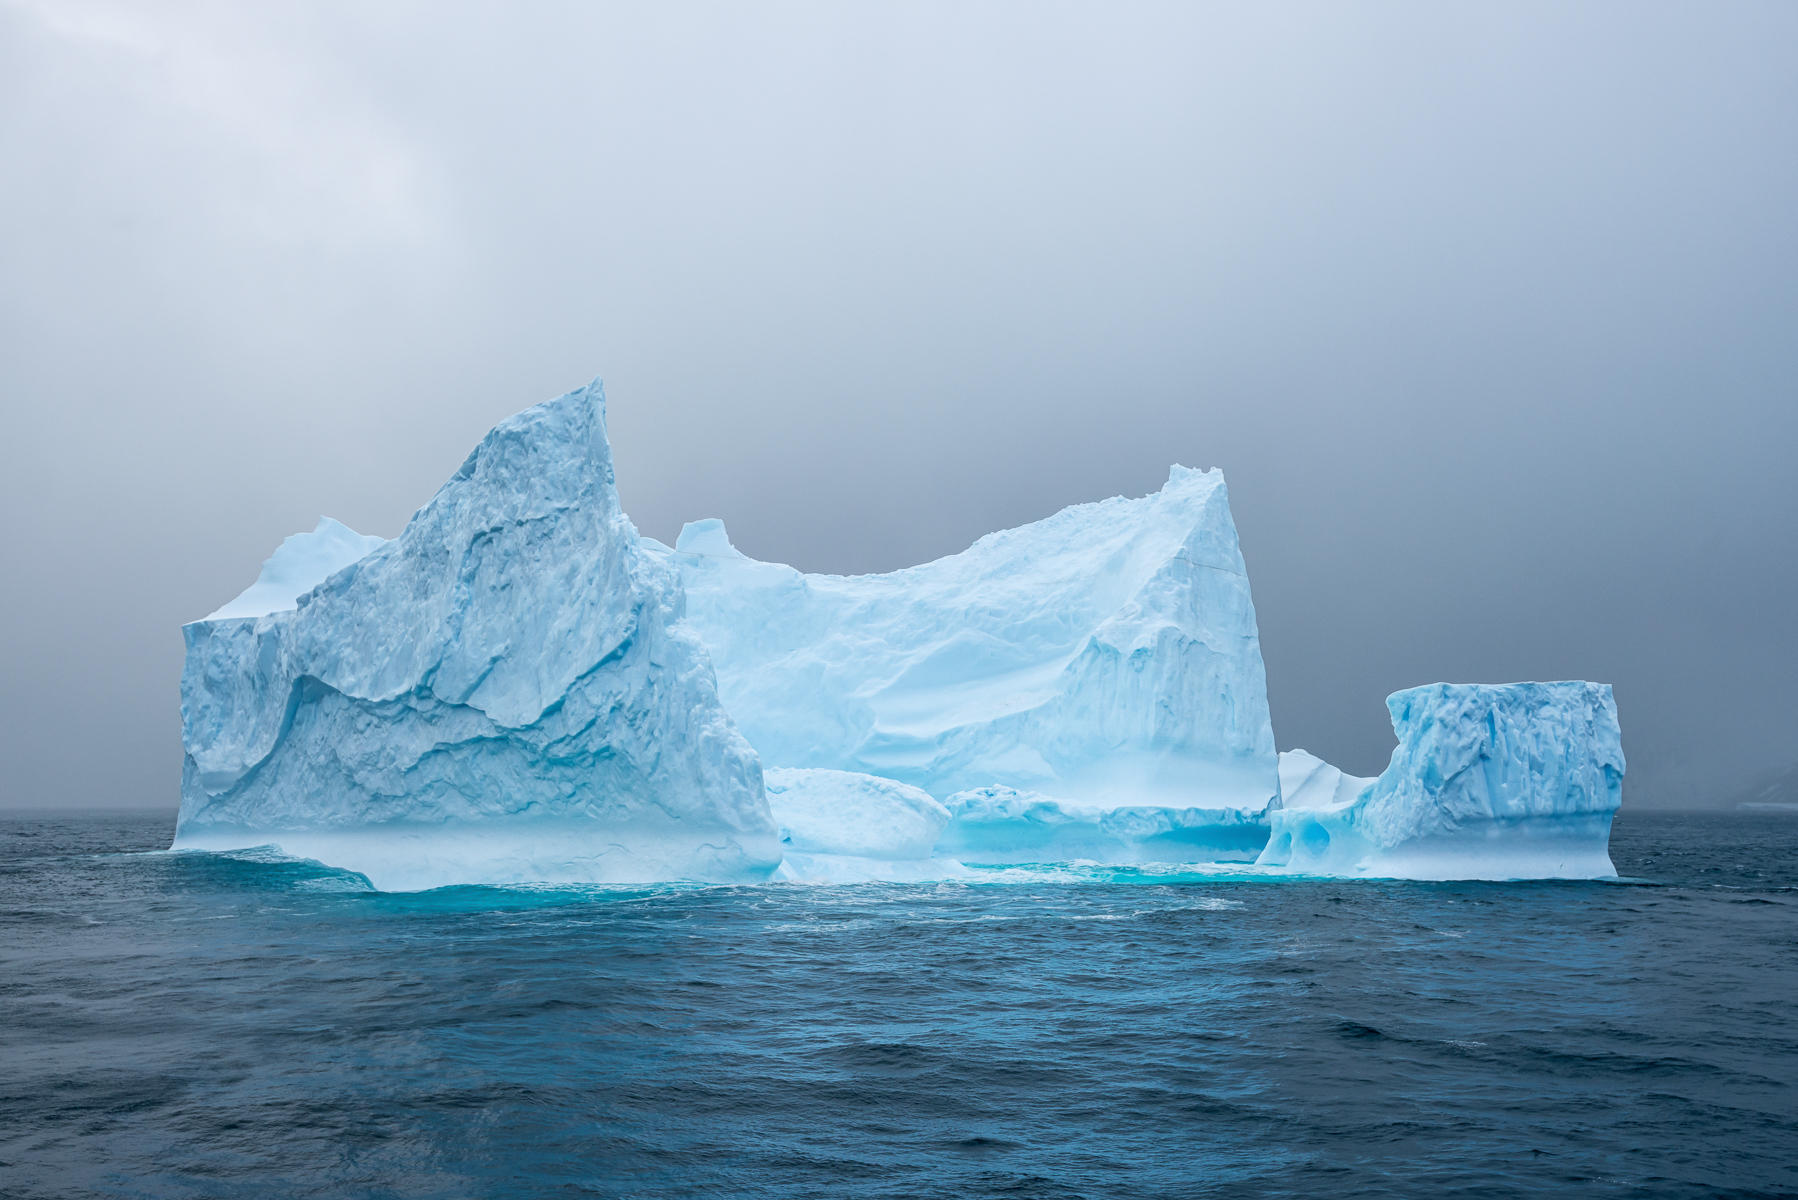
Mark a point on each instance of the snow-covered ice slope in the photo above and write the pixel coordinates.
(502, 693)
(1107, 655)
(298, 565)
(1489, 781)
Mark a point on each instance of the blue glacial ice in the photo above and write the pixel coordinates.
(1088, 686)
(520, 689)
(1105, 655)
(503, 693)
(1489, 781)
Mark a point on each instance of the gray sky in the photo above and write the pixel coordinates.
(1488, 312)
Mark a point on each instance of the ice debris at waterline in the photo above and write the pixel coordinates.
(520, 689)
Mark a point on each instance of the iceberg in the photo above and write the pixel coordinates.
(521, 689)
(503, 693)
(1107, 655)
(1489, 781)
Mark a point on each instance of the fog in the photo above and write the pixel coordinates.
(1489, 314)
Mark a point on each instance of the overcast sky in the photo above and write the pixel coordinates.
(1488, 312)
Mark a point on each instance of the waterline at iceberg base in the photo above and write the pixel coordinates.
(521, 689)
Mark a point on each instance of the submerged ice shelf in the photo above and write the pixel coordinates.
(520, 689)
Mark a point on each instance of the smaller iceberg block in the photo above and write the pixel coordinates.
(841, 812)
(1489, 781)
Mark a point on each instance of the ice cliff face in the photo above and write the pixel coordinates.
(1489, 781)
(1107, 655)
(503, 692)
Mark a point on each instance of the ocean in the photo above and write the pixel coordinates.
(201, 1025)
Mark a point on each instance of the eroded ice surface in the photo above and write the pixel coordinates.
(501, 694)
(1489, 781)
(1107, 655)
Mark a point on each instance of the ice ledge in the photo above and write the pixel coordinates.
(708, 538)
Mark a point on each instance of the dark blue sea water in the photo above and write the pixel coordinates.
(206, 1026)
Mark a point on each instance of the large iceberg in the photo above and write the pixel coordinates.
(520, 689)
(502, 693)
(1489, 781)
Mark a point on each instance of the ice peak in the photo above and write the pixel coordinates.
(551, 453)
(300, 563)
